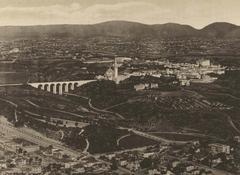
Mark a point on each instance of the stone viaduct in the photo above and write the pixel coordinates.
(59, 87)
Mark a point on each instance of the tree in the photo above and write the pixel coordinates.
(102, 157)
(50, 147)
(114, 165)
(179, 169)
(76, 124)
(65, 156)
(30, 160)
(24, 153)
(48, 119)
(20, 150)
(146, 163)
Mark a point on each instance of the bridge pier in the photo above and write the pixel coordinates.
(65, 88)
(48, 87)
(60, 89)
(54, 88)
(72, 86)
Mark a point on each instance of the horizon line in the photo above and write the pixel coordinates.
(85, 24)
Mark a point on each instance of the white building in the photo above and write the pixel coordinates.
(112, 74)
(109, 74)
(31, 148)
(139, 87)
(204, 63)
(219, 148)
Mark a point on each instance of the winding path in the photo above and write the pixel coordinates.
(153, 137)
(113, 106)
(87, 146)
(94, 108)
(232, 124)
(35, 137)
(187, 134)
(56, 110)
(119, 139)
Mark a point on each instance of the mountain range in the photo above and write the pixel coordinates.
(129, 30)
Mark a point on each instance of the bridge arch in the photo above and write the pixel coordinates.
(40, 86)
(70, 86)
(64, 87)
(46, 86)
(52, 88)
(75, 85)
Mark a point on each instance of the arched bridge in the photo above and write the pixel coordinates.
(59, 87)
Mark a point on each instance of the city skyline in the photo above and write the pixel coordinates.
(191, 12)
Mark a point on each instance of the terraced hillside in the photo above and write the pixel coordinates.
(169, 109)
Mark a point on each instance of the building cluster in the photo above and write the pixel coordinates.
(192, 158)
(185, 73)
(219, 148)
(112, 72)
(139, 87)
(155, 161)
(214, 155)
(19, 156)
(88, 48)
(200, 72)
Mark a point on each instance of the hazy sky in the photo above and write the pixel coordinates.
(197, 13)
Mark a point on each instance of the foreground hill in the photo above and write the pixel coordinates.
(199, 108)
(129, 30)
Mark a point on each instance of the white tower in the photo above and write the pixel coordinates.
(115, 70)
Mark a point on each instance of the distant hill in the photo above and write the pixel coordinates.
(219, 30)
(174, 30)
(130, 30)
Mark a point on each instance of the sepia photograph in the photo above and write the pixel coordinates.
(119, 87)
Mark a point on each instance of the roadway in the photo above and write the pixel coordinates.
(55, 110)
(229, 118)
(34, 137)
(69, 122)
(153, 137)
(17, 84)
(119, 139)
(197, 135)
(94, 108)
(123, 151)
